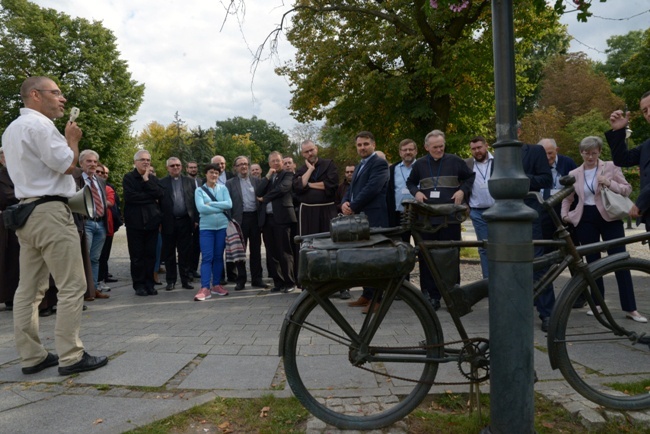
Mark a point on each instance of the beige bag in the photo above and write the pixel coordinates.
(617, 206)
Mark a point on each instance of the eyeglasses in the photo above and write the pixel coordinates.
(241, 164)
(57, 93)
(144, 160)
(590, 154)
(100, 172)
(174, 165)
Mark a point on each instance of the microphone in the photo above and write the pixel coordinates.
(74, 112)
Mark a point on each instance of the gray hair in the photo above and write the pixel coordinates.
(86, 152)
(591, 142)
(548, 141)
(138, 154)
(241, 157)
(434, 133)
(170, 159)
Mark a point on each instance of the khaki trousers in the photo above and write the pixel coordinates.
(49, 244)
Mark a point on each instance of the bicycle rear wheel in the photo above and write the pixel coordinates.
(600, 364)
(322, 356)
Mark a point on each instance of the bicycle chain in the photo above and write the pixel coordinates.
(432, 383)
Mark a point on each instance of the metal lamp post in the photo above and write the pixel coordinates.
(510, 251)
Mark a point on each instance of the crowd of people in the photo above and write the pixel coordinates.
(209, 228)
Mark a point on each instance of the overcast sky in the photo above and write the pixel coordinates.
(190, 65)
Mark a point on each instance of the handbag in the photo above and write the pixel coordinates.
(616, 206)
(15, 216)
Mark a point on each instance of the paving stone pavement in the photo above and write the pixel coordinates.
(169, 353)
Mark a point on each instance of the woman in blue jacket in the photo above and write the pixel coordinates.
(212, 200)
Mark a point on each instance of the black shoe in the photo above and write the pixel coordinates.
(152, 292)
(85, 308)
(240, 286)
(141, 292)
(345, 294)
(110, 280)
(46, 312)
(196, 275)
(223, 283)
(288, 289)
(187, 286)
(50, 360)
(9, 306)
(259, 284)
(435, 303)
(545, 322)
(276, 289)
(170, 286)
(87, 363)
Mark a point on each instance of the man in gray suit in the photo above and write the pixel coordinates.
(246, 211)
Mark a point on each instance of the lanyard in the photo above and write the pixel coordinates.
(401, 171)
(487, 170)
(590, 185)
(435, 184)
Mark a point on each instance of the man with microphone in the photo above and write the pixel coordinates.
(49, 240)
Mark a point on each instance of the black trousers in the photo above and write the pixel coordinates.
(103, 258)
(253, 240)
(195, 250)
(427, 284)
(279, 253)
(178, 240)
(142, 252)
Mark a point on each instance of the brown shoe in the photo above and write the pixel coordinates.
(89, 298)
(366, 309)
(100, 295)
(359, 302)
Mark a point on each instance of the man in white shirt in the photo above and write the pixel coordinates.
(481, 163)
(40, 162)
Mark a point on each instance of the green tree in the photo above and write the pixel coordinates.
(265, 135)
(83, 59)
(401, 69)
(635, 76)
(620, 49)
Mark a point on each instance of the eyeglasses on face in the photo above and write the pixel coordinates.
(144, 160)
(241, 164)
(100, 172)
(57, 93)
(174, 165)
(590, 154)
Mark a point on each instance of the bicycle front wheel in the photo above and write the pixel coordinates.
(599, 362)
(360, 383)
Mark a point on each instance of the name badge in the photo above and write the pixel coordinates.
(483, 187)
(434, 195)
(251, 189)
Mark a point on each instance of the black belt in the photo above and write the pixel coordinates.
(250, 212)
(182, 217)
(98, 219)
(480, 209)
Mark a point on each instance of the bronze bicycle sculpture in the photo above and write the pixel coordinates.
(398, 347)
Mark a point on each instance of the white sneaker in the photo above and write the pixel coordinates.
(590, 313)
(103, 287)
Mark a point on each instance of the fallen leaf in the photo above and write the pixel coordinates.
(224, 425)
(548, 424)
(98, 421)
(265, 411)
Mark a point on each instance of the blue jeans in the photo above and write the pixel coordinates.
(481, 229)
(213, 243)
(95, 236)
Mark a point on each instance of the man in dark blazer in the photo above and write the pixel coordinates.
(142, 218)
(274, 193)
(536, 168)
(367, 194)
(247, 211)
(195, 250)
(639, 156)
(179, 218)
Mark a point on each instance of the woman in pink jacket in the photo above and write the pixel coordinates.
(590, 220)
